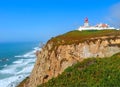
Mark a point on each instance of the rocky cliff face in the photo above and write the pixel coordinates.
(53, 59)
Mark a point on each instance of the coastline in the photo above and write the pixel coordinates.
(18, 70)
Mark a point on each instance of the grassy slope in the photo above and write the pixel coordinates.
(80, 36)
(92, 72)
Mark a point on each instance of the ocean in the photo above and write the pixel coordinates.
(16, 62)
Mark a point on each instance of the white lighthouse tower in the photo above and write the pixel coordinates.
(100, 26)
(86, 23)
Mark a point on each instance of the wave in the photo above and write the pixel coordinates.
(29, 54)
(19, 61)
(13, 74)
(12, 81)
(17, 71)
(36, 48)
(16, 66)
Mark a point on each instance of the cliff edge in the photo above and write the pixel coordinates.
(68, 49)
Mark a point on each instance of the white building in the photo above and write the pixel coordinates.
(100, 26)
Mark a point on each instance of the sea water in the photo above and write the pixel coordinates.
(16, 62)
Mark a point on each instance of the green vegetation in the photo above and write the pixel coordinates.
(80, 36)
(92, 72)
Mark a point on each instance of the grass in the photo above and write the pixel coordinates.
(76, 36)
(92, 72)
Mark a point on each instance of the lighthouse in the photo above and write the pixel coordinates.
(100, 26)
(86, 23)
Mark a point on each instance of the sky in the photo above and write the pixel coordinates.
(39, 20)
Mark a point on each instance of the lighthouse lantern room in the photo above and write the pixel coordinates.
(86, 24)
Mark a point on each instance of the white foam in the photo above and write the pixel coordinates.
(18, 75)
(7, 70)
(17, 64)
(26, 69)
(37, 49)
(30, 54)
(27, 55)
(18, 70)
(18, 61)
(12, 81)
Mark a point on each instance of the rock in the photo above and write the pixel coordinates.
(52, 60)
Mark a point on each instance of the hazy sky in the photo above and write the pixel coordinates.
(31, 20)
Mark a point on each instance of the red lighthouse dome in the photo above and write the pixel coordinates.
(86, 24)
(86, 20)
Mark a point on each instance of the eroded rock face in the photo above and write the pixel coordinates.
(53, 60)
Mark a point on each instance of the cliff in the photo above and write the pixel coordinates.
(68, 49)
(91, 72)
